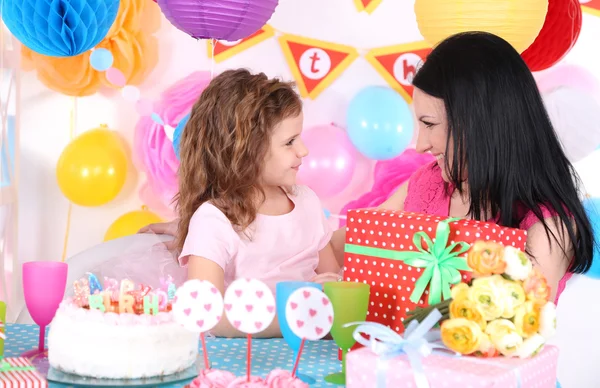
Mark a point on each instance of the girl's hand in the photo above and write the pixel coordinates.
(168, 228)
(326, 278)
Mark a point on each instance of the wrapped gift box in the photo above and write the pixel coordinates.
(20, 373)
(376, 241)
(448, 371)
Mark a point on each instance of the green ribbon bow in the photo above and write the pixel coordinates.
(6, 367)
(440, 261)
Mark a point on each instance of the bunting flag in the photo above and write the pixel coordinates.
(224, 50)
(315, 64)
(366, 5)
(398, 64)
(591, 7)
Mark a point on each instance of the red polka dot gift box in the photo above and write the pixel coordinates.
(412, 260)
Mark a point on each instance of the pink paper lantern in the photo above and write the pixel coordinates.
(330, 164)
(218, 19)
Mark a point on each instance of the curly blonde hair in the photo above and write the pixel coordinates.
(225, 142)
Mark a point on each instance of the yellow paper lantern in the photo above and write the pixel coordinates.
(129, 223)
(91, 170)
(516, 21)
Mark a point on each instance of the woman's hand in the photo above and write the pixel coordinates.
(168, 228)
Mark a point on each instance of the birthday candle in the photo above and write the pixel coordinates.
(125, 299)
(97, 302)
(163, 299)
(81, 291)
(95, 286)
(151, 305)
(112, 286)
(171, 291)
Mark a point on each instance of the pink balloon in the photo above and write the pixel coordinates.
(331, 161)
(115, 77)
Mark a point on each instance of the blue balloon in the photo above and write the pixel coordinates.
(380, 123)
(178, 132)
(101, 59)
(592, 208)
(59, 28)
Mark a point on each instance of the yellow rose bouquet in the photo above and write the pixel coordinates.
(504, 310)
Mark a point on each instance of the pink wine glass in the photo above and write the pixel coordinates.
(44, 284)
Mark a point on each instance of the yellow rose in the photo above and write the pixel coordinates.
(531, 346)
(488, 296)
(461, 335)
(504, 336)
(515, 297)
(460, 291)
(536, 287)
(486, 347)
(527, 319)
(464, 308)
(486, 258)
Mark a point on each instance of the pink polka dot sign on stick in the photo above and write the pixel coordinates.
(198, 307)
(309, 314)
(249, 305)
(250, 308)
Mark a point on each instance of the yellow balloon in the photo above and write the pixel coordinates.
(516, 21)
(91, 170)
(130, 223)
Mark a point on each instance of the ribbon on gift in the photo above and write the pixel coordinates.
(441, 262)
(6, 367)
(419, 341)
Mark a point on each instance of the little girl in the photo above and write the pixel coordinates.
(241, 213)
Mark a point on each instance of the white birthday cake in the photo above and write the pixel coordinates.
(119, 332)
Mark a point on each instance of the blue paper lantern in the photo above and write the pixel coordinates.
(178, 132)
(59, 28)
(592, 208)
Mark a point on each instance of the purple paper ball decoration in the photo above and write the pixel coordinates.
(228, 20)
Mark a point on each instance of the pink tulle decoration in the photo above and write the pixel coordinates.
(388, 176)
(568, 75)
(153, 151)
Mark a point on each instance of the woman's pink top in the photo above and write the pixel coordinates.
(427, 194)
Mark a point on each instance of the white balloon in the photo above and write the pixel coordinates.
(575, 116)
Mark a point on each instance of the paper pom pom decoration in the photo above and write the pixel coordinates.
(59, 28)
(228, 20)
(129, 40)
(575, 116)
(153, 150)
(557, 37)
(388, 176)
(516, 21)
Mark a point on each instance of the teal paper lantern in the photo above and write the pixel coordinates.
(59, 28)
